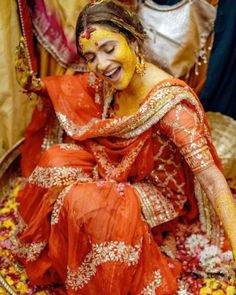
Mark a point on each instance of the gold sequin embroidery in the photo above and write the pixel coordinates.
(197, 155)
(73, 129)
(156, 209)
(114, 251)
(195, 148)
(70, 146)
(57, 176)
(160, 102)
(114, 171)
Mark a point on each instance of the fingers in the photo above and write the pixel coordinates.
(21, 52)
(23, 72)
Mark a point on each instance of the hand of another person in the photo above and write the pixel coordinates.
(24, 75)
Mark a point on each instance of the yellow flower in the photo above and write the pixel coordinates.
(9, 281)
(2, 291)
(209, 282)
(11, 204)
(23, 276)
(233, 280)
(16, 190)
(230, 290)
(205, 291)
(216, 285)
(5, 210)
(8, 224)
(22, 288)
(12, 269)
(3, 272)
(218, 292)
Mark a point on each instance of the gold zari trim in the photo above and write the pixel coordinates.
(114, 171)
(57, 176)
(160, 102)
(101, 253)
(73, 129)
(156, 209)
(197, 155)
(70, 146)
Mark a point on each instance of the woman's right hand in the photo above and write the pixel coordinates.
(24, 75)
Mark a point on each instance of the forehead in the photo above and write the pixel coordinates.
(97, 35)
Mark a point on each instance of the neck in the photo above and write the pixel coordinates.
(135, 88)
(135, 85)
(129, 99)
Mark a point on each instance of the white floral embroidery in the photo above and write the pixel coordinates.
(101, 253)
(29, 251)
(21, 225)
(150, 289)
(58, 204)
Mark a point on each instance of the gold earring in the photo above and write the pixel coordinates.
(140, 64)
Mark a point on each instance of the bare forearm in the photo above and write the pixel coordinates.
(217, 190)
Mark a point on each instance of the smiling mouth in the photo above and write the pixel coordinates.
(113, 74)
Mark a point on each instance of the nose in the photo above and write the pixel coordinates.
(102, 64)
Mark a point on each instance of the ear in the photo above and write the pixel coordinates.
(135, 46)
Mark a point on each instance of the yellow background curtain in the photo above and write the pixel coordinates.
(15, 107)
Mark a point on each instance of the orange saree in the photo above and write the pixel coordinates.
(91, 205)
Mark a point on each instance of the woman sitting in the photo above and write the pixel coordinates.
(136, 140)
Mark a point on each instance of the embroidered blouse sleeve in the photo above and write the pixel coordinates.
(182, 125)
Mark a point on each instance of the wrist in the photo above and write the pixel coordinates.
(225, 208)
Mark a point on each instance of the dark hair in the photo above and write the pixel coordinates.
(113, 14)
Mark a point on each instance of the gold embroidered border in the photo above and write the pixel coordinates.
(197, 155)
(155, 108)
(150, 289)
(156, 209)
(160, 102)
(69, 146)
(58, 204)
(101, 253)
(114, 171)
(73, 129)
(57, 176)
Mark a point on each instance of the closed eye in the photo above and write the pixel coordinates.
(110, 49)
(90, 57)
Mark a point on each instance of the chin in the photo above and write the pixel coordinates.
(121, 85)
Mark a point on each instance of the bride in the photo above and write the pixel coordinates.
(135, 140)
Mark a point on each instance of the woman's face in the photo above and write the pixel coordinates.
(109, 55)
